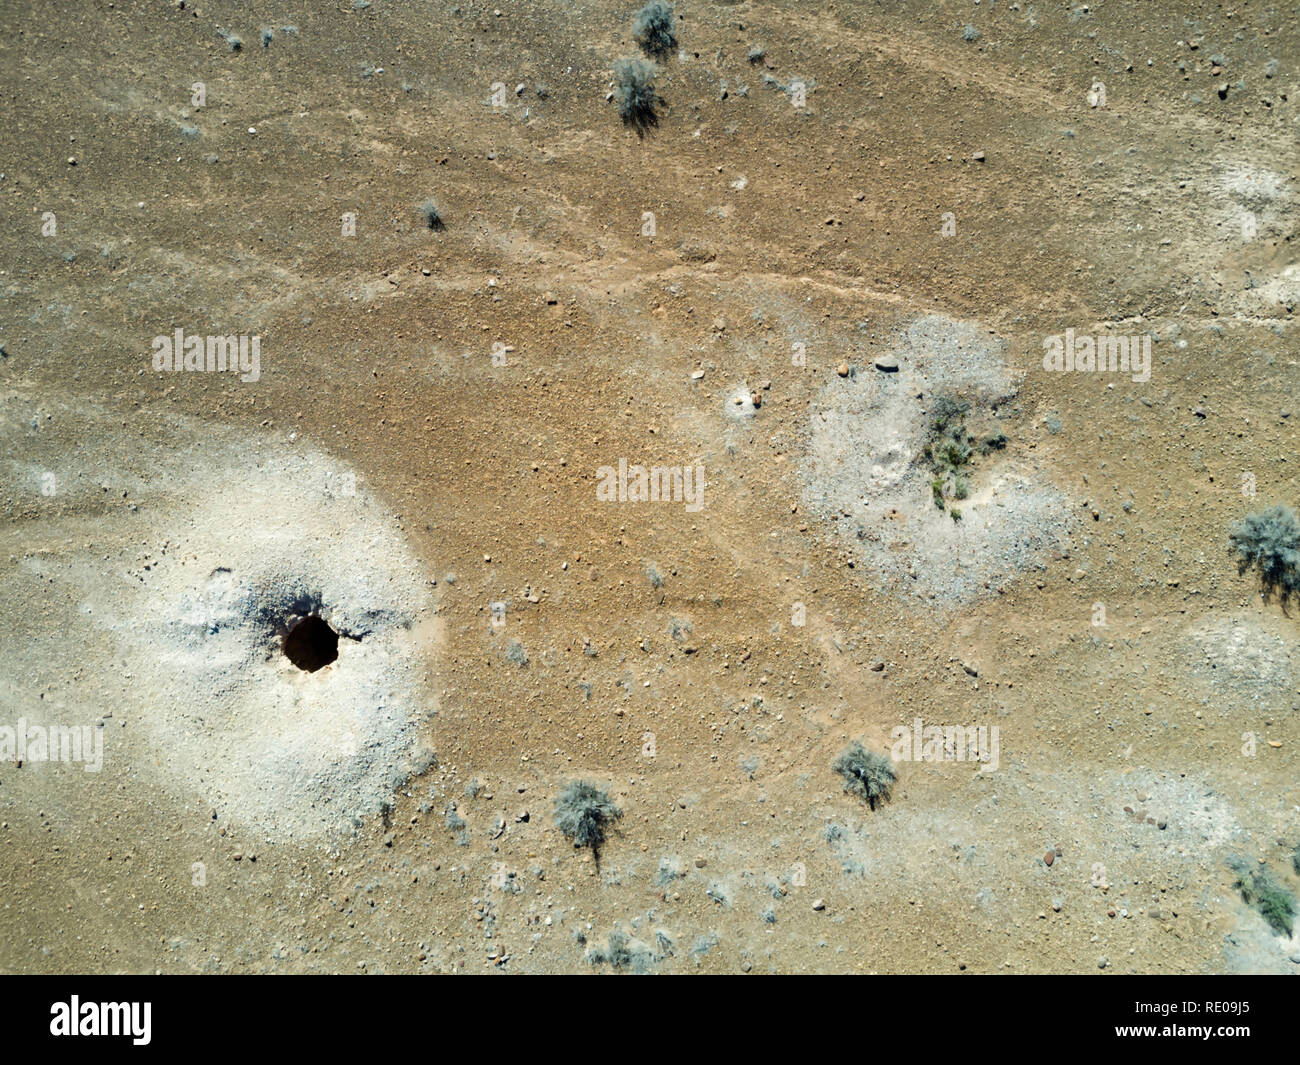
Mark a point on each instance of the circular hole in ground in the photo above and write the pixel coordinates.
(311, 644)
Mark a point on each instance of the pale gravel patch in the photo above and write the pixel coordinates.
(1240, 650)
(864, 471)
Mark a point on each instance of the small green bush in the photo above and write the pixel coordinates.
(432, 216)
(653, 29)
(622, 952)
(616, 953)
(1269, 541)
(634, 93)
(866, 774)
(1260, 889)
(584, 813)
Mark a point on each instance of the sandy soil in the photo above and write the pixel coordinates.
(845, 211)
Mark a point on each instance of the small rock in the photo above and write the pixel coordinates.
(878, 666)
(887, 364)
(1049, 858)
(978, 157)
(842, 369)
(819, 905)
(1102, 962)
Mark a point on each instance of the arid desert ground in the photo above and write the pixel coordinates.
(845, 292)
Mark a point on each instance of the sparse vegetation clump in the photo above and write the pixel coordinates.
(866, 774)
(615, 953)
(653, 29)
(432, 216)
(1269, 542)
(623, 952)
(634, 93)
(950, 448)
(669, 870)
(1260, 889)
(584, 814)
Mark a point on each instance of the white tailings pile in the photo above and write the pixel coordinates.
(156, 582)
(864, 460)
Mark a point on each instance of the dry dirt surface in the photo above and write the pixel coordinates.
(321, 638)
